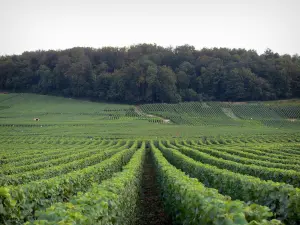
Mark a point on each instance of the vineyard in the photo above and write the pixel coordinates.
(229, 114)
(83, 162)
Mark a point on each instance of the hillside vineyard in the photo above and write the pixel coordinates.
(82, 162)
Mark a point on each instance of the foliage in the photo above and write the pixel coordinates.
(63, 168)
(114, 201)
(190, 202)
(282, 199)
(71, 164)
(151, 73)
(279, 175)
(19, 203)
(254, 160)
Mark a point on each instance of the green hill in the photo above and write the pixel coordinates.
(229, 114)
(68, 161)
(64, 116)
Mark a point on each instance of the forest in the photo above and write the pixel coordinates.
(147, 73)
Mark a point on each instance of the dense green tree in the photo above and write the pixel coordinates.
(151, 73)
(166, 91)
(234, 85)
(47, 80)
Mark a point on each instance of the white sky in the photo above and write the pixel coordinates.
(59, 24)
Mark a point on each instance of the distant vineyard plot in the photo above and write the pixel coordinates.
(230, 114)
(30, 114)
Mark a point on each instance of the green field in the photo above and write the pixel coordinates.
(84, 162)
(63, 117)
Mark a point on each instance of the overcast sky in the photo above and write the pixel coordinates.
(59, 24)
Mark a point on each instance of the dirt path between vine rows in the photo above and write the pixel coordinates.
(151, 211)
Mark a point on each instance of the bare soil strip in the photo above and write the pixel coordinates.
(151, 206)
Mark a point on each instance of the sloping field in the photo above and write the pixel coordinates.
(229, 114)
(96, 163)
(24, 108)
(68, 117)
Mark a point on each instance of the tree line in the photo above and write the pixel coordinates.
(151, 73)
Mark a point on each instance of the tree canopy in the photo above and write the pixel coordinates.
(151, 73)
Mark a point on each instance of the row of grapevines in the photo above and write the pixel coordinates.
(10, 150)
(239, 159)
(114, 201)
(10, 168)
(41, 150)
(279, 175)
(234, 140)
(19, 203)
(25, 155)
(285, 149)
(48, 142)
(276, 140)
(282, 199)
(190, 202)
(54, 154)
(71, 157)
(45, 173)
(295, 147)
(273, 150)
(48, 156)
(253, 154)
